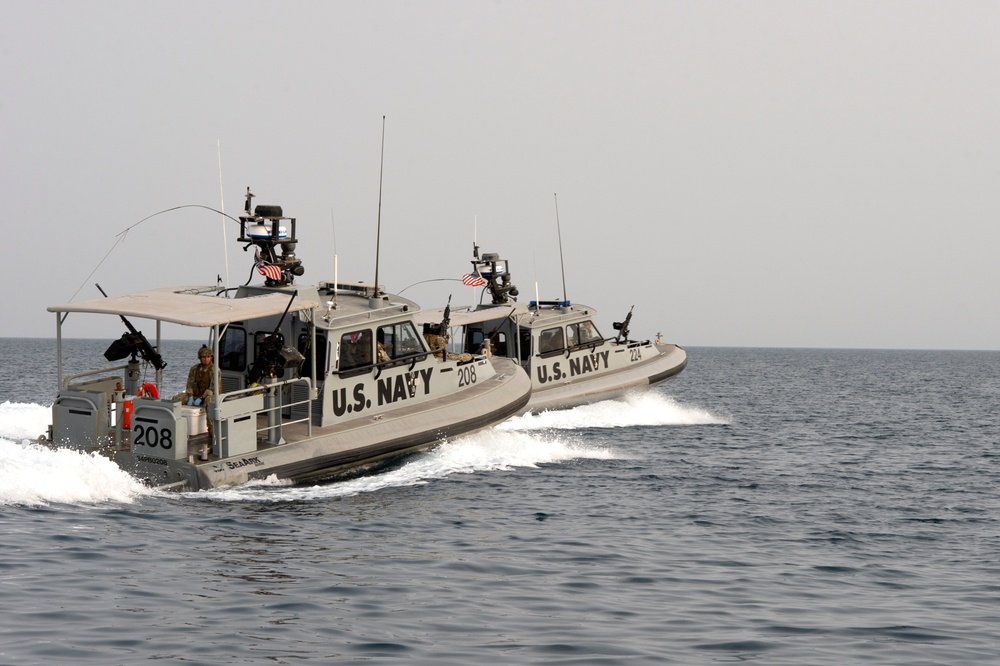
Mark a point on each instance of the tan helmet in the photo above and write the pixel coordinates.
(205, 351)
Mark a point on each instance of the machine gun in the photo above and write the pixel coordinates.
(272, 355)
(444, 325)
(133, 343)
(622, 326)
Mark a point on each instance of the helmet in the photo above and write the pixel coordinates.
(205, 351)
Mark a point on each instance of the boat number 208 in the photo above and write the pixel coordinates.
(152, 437)
(467, 375)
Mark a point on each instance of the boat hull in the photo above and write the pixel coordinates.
(337, 449)
(659, 363)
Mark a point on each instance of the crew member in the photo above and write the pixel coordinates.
(200, 378)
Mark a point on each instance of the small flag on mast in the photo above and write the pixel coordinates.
(473, 280)
(269, 271)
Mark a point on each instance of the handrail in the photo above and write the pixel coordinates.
(251, 390)
(68, 380)
(403, 359)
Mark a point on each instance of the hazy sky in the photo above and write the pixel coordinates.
(808, 174)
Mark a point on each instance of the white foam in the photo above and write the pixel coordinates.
(646, 408)
(34, 475)
(31, 474)
(490, 450)
(20, 420)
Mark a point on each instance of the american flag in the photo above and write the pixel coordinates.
(473, 280)
(269, 271)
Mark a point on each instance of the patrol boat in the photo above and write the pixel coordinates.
(570, 362)
(309, 381)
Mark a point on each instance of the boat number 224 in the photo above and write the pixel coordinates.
(152, 437)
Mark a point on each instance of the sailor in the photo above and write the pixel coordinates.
(432, 333)
(199, 383)
(380, 353)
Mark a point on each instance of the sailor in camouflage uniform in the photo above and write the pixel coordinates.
(200, 387)
(199, 383)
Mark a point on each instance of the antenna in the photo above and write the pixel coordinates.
(336, 265)
(222, 199)
(562, 266)
(378, 224)
(538, 301)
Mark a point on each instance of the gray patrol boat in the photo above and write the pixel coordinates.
(309, 381)
(557, 342)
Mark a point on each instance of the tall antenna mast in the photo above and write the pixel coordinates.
(222, 199)
(562, 266)
(336, 278)
(378, 225)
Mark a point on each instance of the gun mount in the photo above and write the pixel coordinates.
(275, 242)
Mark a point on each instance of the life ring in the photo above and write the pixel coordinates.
(149, 389)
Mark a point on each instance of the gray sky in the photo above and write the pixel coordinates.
(814, 174)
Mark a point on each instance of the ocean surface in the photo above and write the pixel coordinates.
(771, 506)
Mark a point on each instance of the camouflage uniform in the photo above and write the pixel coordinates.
(200, 382)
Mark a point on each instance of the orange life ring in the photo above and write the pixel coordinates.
(149, 389)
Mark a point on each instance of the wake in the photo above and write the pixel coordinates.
(641, 409)
(33, 475)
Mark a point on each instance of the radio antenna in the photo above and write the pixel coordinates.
(562, 266)
(222, 199)
(336, 278)
(378, 223)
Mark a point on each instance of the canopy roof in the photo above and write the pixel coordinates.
(463, 316)
(190, 306)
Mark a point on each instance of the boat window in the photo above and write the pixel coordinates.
(525, 336)
(400, 339)
(498, 342)
(582, 333)
(355, 349)
(261, 341)
(233, 350)
(303, 347)
(473, 340)
(550, 340)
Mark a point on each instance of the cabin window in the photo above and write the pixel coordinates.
(473, 340)
(525, 336)
(303, 347)
(355, 349)
(550, 340)
(582, 333)
(396, 340)
(498, 343)
(261, 341)
(233, 350)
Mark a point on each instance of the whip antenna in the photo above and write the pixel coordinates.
(222, 199)
(378, 223)
(336, 279)
(562, 267)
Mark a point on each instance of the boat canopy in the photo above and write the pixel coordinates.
(465, 316)
(190, 306)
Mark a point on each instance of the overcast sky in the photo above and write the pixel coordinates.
(803, 174)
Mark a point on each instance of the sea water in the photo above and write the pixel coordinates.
(766, 505)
